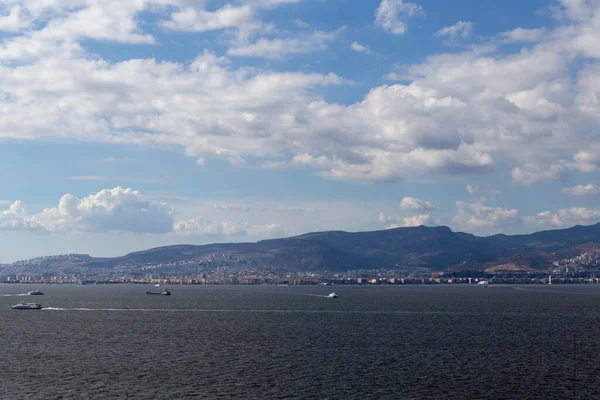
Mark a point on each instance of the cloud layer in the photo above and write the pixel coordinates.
(455, 113)
(117, 209)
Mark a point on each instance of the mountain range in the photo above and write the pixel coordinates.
(404, 249)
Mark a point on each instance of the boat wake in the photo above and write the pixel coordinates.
(314, 295)
(106, 309)
(304, 294)
(15, 294)
(552, 292)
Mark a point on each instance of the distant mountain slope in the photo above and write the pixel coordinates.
(405, 248)
(410, 249)
(554, 240)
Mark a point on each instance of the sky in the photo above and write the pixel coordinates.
(126, 125)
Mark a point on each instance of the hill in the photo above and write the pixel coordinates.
(430, 248)
(401, 249)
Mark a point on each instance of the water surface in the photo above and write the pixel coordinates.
(407, 342)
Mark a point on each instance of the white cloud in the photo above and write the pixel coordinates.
(359, 48)
(232, 207)
(15, 218)
(242, 18)
(563, 218)
(587, 160)
(204, 226)
(101, 178)
(531, 173)
(14, 20)
(462, 29)
(529, 111)
(525, 35)
(473, 189)
(200, 226)
(192, 19)
(72, 20)
(300, 24)
(391, 15)
(582, 190)
(411, 221)
(278, 48)
(115, 209)
(481, 216)
(412, 204)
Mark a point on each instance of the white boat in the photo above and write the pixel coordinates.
(27, 306)
(333, 295)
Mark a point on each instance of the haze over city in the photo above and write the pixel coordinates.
(126, 125)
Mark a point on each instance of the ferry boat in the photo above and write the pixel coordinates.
(164, 292)
(27, 306)
(333, 295)
(35, 293)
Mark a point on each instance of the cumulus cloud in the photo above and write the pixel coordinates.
(587, 160)
(359, 48)
(564, 218)
(279, 48)
(481, 216)
(412, 204)
(410, 221)
(200, 226)
(15, 218)
(205, 226)
(199, 20)
(462, 29)
(530, 110)
(391, 15)
(524, 35)
(486, 194)
(531, 173)
(582, 190)
(13, 19)
(117, 209)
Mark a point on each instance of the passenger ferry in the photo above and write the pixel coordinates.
(164, 292)
(27, 306)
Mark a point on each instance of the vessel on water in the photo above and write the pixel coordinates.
(35, 293)
(27, 306)
(333, 295)
(164, 292)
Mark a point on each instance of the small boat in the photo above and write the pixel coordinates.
(27, 306)
(164, 292)
(157, 285)
(35, 293)
(333, 295)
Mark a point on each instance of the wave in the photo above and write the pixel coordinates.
(282, 311)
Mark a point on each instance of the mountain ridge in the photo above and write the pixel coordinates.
(408, 249)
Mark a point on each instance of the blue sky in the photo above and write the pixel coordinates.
(128, 125)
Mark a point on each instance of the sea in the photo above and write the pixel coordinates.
(292, 342)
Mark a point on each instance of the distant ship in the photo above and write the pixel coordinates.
(27, 306)
(35, 293)
(333, 295)
(164, 292)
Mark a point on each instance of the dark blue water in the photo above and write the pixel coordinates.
(262, 342)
